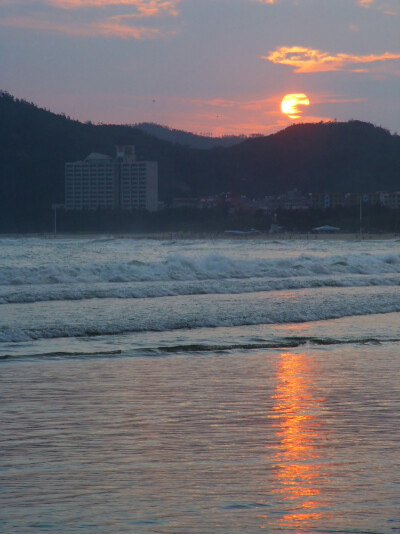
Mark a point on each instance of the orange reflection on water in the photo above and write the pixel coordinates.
(296, 414)
(298, 327)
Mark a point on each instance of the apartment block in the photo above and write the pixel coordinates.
(101, 182)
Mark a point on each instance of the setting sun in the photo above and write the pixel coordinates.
(290, 104)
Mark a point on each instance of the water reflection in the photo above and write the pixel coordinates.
(296, 415)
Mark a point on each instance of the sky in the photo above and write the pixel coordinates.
(214, 67)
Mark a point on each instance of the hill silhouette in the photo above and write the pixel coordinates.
(349, 156)
(188, 139)
(35, 143)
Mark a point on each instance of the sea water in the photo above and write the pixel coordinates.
(199, 386)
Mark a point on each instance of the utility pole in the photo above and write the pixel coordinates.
(54, 207)
(361, 201)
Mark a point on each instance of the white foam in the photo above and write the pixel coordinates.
(96, 317)
(179, 267)
(129, 290)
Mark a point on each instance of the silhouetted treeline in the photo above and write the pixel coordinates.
(188, 139)
(35, 144)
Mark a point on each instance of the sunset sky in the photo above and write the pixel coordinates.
(206, 66)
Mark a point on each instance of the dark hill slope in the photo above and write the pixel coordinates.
(351, 156)
(188, 139)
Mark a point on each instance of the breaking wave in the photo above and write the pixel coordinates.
(178, 267)
(180, 275)
(92, 318)
(128, 290)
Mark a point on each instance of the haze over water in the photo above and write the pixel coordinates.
(199, 386)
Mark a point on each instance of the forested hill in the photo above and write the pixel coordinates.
(35, 144)
(188, 139)
(349, 156)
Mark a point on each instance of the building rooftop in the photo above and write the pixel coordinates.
(96, 156)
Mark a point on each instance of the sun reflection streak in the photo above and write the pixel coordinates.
(298, 468)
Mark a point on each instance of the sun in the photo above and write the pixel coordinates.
(290, 104)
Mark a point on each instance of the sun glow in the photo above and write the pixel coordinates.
(290, 104)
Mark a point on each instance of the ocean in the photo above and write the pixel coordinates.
(199, 386)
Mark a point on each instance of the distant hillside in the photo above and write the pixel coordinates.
(188, 139)
(35, 144)
(333, 156)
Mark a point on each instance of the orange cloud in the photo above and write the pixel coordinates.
(144, 8)
(107, 28)
(337, 99)
(120, 25)
(388, 7)
(242, 104)
(312, 60)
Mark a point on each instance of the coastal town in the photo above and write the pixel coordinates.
(293, 200)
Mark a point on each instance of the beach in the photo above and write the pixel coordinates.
(194, 385)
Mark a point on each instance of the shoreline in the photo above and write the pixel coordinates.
(168, 236)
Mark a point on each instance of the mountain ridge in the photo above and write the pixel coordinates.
(189, 139)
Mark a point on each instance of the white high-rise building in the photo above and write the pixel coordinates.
(100, 182)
